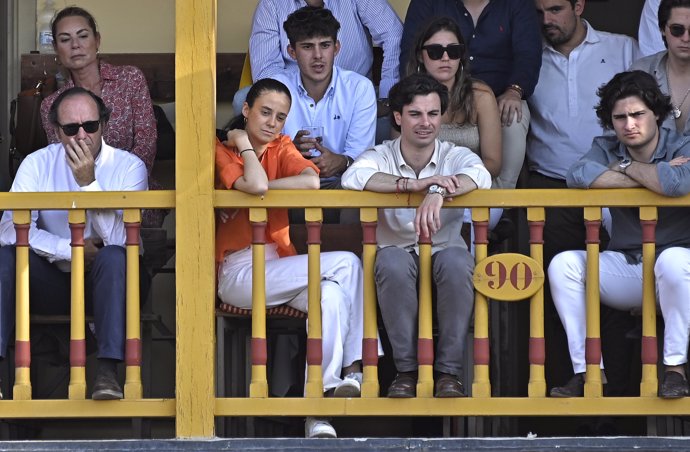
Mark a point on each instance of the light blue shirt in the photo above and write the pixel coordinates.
(362, 22)
(563, 121)
(347, 111)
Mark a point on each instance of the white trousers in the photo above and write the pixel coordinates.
(286, 283)
(620, 287)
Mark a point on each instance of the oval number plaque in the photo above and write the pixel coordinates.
(508, 277)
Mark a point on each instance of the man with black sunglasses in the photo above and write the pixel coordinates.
(576, 60)
(671, 68)
(81, 161)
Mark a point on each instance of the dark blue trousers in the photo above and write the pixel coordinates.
(104, 292)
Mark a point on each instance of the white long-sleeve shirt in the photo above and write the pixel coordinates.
(396, 226)
(46, 170)
(649, 35)
(563, 120)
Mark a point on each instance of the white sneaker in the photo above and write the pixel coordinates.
(351, 386)
(318, 428)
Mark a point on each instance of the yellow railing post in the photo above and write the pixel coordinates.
(314, 387)
(593, 385)
(537, 380)
(425, 342)
(649, 383)
(259, 384)
(22, 377)
(481, 387)
(133, 387)
(77, 347)
(370, 383)
(195, 113)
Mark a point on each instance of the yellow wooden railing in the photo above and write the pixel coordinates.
(195, 405)
(197, 254)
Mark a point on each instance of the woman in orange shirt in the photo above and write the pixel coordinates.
(254, 159)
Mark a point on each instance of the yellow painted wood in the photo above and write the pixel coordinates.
(195, 114)
(259, 384)
(22, 384)
(425, 379)
(133, 386)
(537, 379)
(77, 382)
(477, 198)
(70, 409)
(22, 377)
(370, 379)
(593, 384)
(314, 385)
(493, 277)
(164, 199)
(649, 382)
(471, 406)
(258, 387)
(481, 386)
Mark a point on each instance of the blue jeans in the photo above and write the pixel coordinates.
(49, 288)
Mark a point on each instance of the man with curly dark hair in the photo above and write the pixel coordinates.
(641, 154)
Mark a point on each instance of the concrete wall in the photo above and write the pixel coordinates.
(154, 22)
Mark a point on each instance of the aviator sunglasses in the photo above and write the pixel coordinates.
(72, 129)
(677, 30)
(435, 51)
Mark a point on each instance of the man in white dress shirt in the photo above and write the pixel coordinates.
(81, 161)
(576, 60)
(418, 162)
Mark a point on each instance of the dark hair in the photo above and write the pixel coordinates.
(311, 22)
(664, 13)
(461, 96)
(629, 84)
(665, 7)
(259, 88)
(71, 11)
(103, 110)
(404, 92)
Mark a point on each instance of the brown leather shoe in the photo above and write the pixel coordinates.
(404, 386)
(448, 385)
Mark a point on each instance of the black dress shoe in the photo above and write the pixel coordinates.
(448, 385)
(106, 386)
(404, 386)
(673, 386)
(575, 387)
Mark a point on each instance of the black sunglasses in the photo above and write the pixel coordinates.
(677, 30)
(72, 129)
(435, 51)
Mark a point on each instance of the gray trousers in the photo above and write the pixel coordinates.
(397, 275)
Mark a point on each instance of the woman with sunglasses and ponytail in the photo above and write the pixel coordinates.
(255, 159)
(472, 119)
(124, 90)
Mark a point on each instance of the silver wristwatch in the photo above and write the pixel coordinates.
(624, 164)
(437, 189)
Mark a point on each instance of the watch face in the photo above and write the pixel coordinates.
(625, 163)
